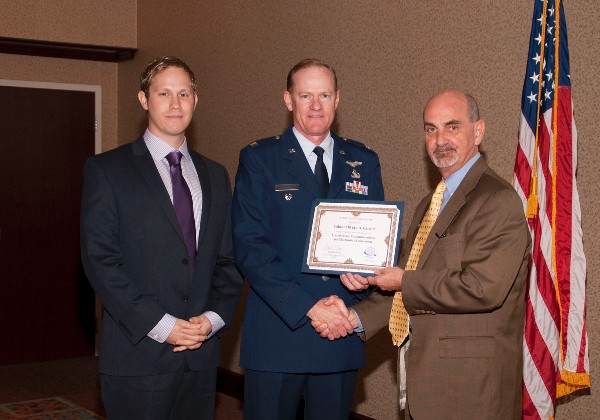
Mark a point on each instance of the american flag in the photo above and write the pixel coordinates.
(555, 343)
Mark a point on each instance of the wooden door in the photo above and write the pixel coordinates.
(46, 304)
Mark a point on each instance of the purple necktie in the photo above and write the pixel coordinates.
(182, 201)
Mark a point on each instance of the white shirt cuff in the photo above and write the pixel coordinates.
(216, 322)
(162, 330)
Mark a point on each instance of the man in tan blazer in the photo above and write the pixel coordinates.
(466, 296)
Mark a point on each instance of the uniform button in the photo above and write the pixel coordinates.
(325, 278)
(185, 298)
(184, 261)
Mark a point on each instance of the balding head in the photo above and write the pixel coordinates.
(471, 102)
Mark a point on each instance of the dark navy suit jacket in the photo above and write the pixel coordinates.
(135, 257)
(274, 191)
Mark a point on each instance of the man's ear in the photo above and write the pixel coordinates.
(143, 100)
(479, 131)
(287, 98)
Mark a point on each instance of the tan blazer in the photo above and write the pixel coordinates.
(466, 301)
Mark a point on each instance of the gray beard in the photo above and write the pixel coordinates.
(446, 161)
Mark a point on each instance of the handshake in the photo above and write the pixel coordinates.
(332, 319)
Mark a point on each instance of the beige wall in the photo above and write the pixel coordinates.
(106, 22)
(390, 57)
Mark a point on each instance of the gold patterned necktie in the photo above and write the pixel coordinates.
(398, 316)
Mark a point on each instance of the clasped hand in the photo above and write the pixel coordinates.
(189, 335)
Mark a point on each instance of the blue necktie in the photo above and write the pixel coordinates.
(321, 172)
(182, 201)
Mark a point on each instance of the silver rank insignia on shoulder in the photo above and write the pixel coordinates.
(342, 152)
(353, 164)
(288, 197)
(292, 150)
(355, 174)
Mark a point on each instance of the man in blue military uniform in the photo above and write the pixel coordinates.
(277, 180)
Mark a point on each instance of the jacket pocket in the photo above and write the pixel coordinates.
(467, 347)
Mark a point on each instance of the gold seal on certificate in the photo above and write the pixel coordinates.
(353, 237)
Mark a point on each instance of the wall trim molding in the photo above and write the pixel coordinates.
(232, 384)
(65, 50)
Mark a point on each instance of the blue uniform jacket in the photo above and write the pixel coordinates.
(274, 191)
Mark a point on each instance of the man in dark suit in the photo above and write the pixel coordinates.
(156, 246)
(465, 292)
(277, 180)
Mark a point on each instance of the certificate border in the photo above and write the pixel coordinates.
(358, 205)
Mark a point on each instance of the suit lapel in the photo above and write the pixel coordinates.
(297, 164)
(147, 169)
(204, 177)
(456, 202)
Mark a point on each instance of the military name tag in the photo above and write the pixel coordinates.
(287, 187)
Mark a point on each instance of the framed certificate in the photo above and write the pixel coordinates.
(352, 236)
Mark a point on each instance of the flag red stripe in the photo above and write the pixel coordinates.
(544, 281)
(538, 350)
(523, 171)
(529, 409)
